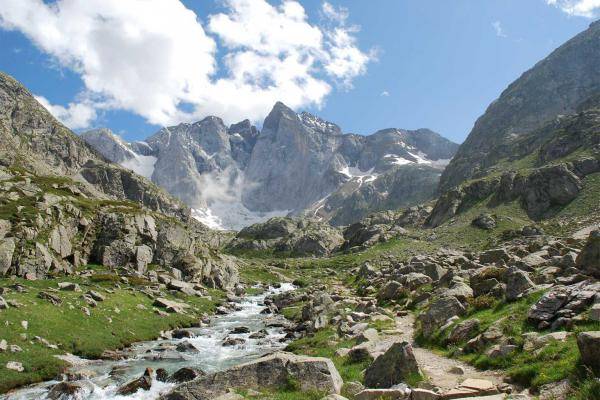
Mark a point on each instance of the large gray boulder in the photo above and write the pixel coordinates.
(438, 313)
(589, 348)
(393, 367)
(589, 257)
(517, 283)
(7, 248)
(271, 372)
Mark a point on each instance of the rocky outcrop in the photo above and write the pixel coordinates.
(297, 237)
(540, 191)
(34, 140)
(65, 227)
(270, 372)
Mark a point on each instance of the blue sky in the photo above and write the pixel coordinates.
(418, 63)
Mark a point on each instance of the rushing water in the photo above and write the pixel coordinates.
(212, 356)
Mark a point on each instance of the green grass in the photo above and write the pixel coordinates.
(68, 327)
(556, 361)
(324, 343)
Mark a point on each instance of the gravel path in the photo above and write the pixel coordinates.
(439, 368)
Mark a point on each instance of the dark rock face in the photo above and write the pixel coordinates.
(555, 86)
(392, 367)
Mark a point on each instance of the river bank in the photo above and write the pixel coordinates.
(225, 340)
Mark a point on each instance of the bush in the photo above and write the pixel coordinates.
(482, 302)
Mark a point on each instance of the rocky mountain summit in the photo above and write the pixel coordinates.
(297, 164)
(554, 87)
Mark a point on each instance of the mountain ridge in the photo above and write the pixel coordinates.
(290, 167)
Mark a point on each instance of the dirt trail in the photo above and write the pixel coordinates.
(437, 367)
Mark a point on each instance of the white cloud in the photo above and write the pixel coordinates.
(385, 93)
(581, 8)
(74, 116)
(156, 59)
(339, 14)
(497, 25)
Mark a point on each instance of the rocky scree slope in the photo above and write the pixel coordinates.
(297, 164)
(554, 87)
(63, 206)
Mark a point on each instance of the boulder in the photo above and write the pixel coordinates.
(464, 331)
(494, 256)
(270, 372)
(7, 249)
(15, 366)
(170, 305)
(484, 221)
(69, 287)
(64, 390)
(438, 313)
(414, 280)
(588, 259)
(517, 283)
(392, 367)
(392, 290)
(142, 383)
(546, 307)
(143, 257)
(589, 348)
(185, 375)
(55, 300)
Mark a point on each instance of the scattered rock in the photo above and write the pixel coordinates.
(142, 383)
(270, 372)
(589, 348)
(185, 375)
(15, 366)
(55, 300)
(64, 390)
(392, 367)
(484, 221)
(69, 286)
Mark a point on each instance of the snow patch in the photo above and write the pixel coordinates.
(355, 173)
(397, 160)
(232, 216)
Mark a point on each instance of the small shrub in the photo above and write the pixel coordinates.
(482, 302)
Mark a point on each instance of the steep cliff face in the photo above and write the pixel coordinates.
(292, 164)
(555, 86)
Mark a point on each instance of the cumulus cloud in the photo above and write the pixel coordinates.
(497, 25)
(581, 8)
(385, 93)
(75, 115)
(156, 59)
